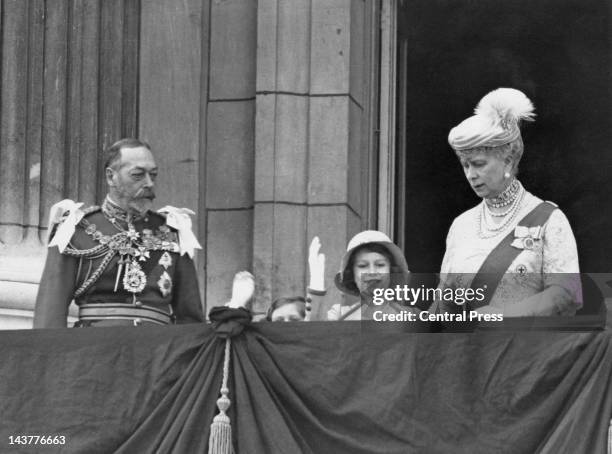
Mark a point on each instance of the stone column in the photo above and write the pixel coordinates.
(230, 130)
(313, 138)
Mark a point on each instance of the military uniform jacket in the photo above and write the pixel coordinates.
(110, 262)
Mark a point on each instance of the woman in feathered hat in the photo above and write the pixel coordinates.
(519, 250)
(371, 264)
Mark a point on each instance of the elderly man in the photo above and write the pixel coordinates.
(121, 263)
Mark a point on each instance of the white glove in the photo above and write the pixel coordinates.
(316, 265)
(243, 289)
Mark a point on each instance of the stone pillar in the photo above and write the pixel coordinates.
(172, 91)
(313, 138)
(230, 127)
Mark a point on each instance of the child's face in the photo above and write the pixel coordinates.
(371, 270)
(287, 313)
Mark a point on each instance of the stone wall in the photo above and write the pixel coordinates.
(261, 114)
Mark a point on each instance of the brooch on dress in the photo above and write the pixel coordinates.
(527, 237)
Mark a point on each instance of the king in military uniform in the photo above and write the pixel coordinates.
(122, 263)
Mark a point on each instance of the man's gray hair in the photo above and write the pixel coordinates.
(113, 153)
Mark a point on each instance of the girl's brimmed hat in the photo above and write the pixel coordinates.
(344, 279)
(496, 121)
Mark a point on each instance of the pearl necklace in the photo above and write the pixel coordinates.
(498, 215)
(485, 230)
(507, 196)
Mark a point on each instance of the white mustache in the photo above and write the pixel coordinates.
(143, 193)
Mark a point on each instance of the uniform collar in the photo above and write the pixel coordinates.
(112, 210)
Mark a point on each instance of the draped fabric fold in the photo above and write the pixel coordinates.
(109, 390)
(314, 387)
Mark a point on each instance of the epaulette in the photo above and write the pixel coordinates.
(91, 210)
(88, 212)
(179, 219)
(64, 216)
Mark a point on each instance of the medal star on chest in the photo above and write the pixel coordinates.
(133, 248)
(165, 284)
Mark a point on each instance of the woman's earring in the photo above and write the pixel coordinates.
(507, 175)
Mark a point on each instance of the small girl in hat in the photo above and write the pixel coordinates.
(372, 263)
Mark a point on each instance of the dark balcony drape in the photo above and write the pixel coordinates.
(317, 387)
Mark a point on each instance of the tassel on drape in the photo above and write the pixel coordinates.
(220, 441)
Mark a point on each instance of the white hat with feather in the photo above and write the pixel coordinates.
(495, 121)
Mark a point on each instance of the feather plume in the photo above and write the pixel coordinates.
(506, 105)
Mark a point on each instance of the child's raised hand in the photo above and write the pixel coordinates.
(316, 265)
(243, 289)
